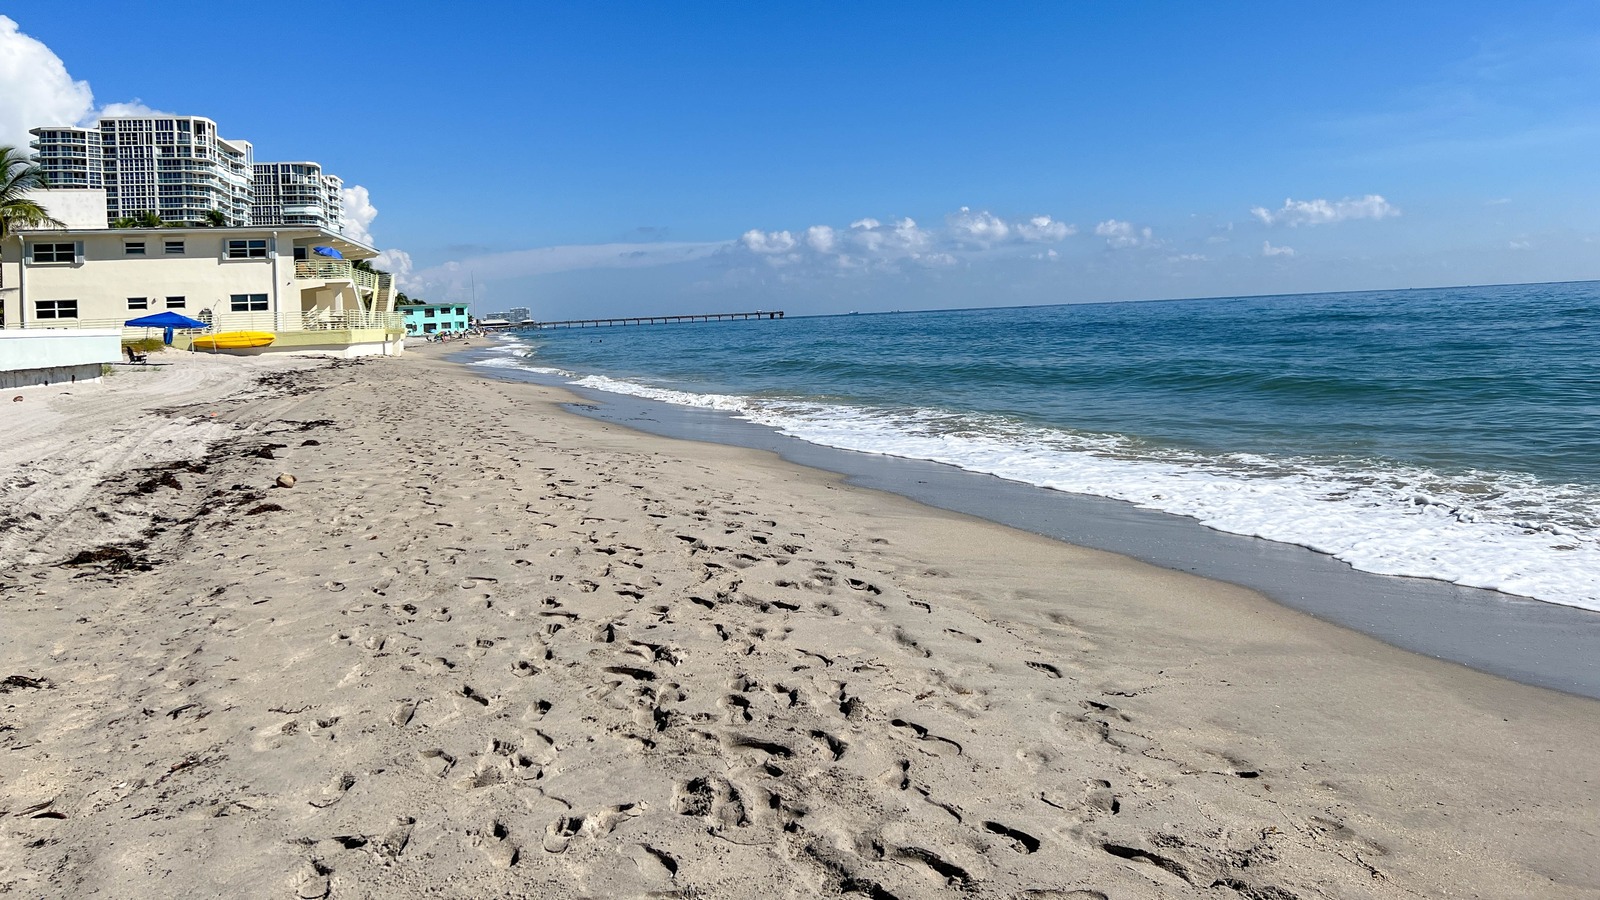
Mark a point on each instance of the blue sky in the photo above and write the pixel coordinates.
(608, 158)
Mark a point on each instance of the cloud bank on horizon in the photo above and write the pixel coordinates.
(869, 249)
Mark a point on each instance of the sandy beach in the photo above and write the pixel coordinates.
(486, 647)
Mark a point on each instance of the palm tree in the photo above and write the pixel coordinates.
(124, 222)
(19, 175)
(149, 219)
(215, 218)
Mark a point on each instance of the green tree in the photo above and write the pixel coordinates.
(215, 218)
(19, 175)
(148, 219)
(124, 222)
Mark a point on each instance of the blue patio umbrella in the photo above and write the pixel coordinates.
(328, 252)
(166, 320)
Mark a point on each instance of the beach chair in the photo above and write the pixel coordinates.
(134, 356)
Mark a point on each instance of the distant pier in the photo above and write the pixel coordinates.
(654, 320)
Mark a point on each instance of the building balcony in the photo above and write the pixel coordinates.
(334, 270)
(377, 288)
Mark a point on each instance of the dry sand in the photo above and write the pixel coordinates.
(483, 647)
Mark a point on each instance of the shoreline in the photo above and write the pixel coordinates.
(516, 651)
(1531, 641)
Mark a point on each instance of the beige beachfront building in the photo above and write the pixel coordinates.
(256, 278)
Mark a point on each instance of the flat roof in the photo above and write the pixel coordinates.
(333, 238)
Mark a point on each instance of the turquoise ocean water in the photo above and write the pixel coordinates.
(1446, 433)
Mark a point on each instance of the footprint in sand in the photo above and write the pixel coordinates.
(496, 844)
(312, 880)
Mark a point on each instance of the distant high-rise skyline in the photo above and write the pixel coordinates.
(181, 169)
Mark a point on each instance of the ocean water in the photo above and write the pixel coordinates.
(1449, 433)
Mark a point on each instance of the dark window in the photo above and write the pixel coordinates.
(248, 302)
(247, 249)
(48, 253)
(174, 248)
(176, 303)
(55, 309)
(138, 302)
(133, 248)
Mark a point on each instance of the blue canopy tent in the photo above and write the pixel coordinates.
(166, 320)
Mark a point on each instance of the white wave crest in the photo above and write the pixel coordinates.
(1507, 533)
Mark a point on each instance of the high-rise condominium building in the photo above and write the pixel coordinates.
(178, 168)
(297, 193)
(71, 157)
(174, 166)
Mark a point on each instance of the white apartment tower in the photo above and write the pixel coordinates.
(71, 157)
(174, 166)
(180, 169)
(297, 193)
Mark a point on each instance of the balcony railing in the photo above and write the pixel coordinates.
(335, 270)
(334, 320)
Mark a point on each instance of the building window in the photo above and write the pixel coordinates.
(138, 302)
(174, 248)
(55, 309)
(427, 314)
(248, 302)
(55, 253)
(461, 310)
(430, 328)
(133, 248)
(176, 303)
(247, 249)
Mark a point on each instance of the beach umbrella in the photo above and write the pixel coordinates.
(167, 319)
(328, 252)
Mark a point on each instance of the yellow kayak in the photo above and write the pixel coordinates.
(235, 340)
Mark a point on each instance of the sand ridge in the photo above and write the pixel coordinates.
(497, 650)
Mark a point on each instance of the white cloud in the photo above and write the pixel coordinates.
(1189, 257)
(134, 108)
(767, 242)
(982, 228)
(1268, 250)
(358, 213)
(900, 239)
(396, 263)
(821, 238)
(38, 90)
(934, 260)
(986, 229)
(1048, 255)
(1041, 229)
(1120, 235)
(1295, 213)
(1521, 245)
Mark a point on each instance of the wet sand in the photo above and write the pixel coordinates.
(484, 647)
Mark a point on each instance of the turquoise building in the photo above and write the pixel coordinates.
(433, 318)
